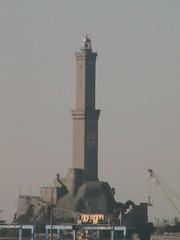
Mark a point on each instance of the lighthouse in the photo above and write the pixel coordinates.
(85, 115)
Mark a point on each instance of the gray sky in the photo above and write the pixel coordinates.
(137, 92)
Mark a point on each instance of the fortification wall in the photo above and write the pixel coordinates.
(23, 205)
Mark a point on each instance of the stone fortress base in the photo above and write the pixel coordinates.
(69, 197)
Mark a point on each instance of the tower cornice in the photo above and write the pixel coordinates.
(86, 55)
(88, 114)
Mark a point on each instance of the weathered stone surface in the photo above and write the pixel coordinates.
(93, 196)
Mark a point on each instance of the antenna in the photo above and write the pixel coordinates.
(30, 191)
(19, 190)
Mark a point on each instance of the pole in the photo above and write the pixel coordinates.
(74, 234)
(51, 230)
(20, 233)
(58, 234)
(46, 234)
(51, 215)
(32, 233)
(112, 231)
(112, 234)
(124, 233)
(157, 228)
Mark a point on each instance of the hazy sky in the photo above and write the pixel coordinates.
(137, 90)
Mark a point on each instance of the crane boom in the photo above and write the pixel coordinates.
(163, 190)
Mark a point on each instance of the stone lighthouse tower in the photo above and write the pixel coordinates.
(85, 115)
(80, 191)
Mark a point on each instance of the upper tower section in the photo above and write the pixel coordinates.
(85, 76)
(86, 44)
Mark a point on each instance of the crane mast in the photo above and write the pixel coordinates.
(163, 190)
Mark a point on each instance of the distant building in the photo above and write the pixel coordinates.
(134, 215)
(92, 218)
(52, 194)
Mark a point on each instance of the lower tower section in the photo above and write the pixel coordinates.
(85, 142)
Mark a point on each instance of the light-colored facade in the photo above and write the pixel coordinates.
(48, 194)
(52, 194)
(94, 218)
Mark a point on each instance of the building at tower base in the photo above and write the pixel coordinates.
(68, 204)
